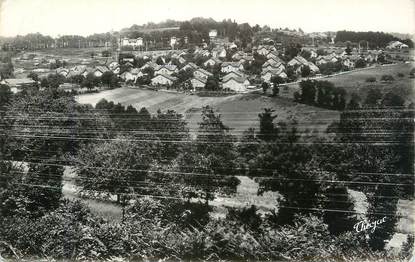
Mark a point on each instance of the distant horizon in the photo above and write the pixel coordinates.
(87, 17)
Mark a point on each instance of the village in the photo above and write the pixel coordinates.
(217, 65)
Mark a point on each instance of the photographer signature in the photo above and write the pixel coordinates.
(366, 225)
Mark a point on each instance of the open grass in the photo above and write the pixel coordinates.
(355, 81)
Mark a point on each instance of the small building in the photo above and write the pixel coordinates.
(198, 83)
(68, 87)
(268, 74)
(163, 80)
(237, 84)
(100, 70)
(18, 84)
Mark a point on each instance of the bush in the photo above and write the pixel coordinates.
(400, 74)
(387, 78)
(371, 79)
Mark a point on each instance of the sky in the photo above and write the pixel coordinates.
(84, 17)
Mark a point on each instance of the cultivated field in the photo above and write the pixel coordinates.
(239, 112)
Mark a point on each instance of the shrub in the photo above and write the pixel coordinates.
(371, 79)
(387, 78)
(400, 74)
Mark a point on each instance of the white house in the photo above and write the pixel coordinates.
(17, 84)
(132, 41)
(268, 74)
(100, 70)
(165, 80)
(198, 83)
(237, 84)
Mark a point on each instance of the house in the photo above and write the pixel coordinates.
(190, 65)
(227, 67)
(62, 71)
(396, 45)
(297, 61)
(150, 64)
(100, 70)
(77, 70)
(198, 83)
(166, 70)
(132, 41)
(269, 73)
(204, 53)
(131, 75)
(219, 52)
(113, 66)
(212, 61)
(237, 84)
(164, 80)
(275, 60)
(68, 87)
(202, 73)
(232, 74)
(272, 66)
(272, 54)
(238, 56)
(18, 84)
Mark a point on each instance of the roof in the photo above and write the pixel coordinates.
(171, 78)
(103, 69)
(200, 79)
(234, 64)
(240, 80)
(204, 71)
(19, 81)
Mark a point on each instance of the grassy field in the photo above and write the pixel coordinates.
(355, 81)
(239, 112)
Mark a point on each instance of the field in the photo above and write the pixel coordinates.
(355, 81)
(239, 112)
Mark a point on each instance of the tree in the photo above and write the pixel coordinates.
(373, 97)
(212, 84)
(360, 63)
(265, 87)
(106, 53)
(267, 130)
(115, 167)
(33, 76)
(90, 81)
(308, 92)
(354, 102)
(305, 71)
(387, 78)
(211, 156)
(391, 99)
(110, 79)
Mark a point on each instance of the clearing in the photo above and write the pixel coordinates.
(239, 112)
